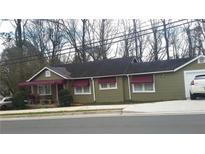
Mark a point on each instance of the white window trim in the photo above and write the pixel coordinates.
(108, 88)
(83, 93)
(152, 91)
(44, 87)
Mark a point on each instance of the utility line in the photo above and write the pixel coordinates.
(86, 47)
(79, 46)
(111, 38)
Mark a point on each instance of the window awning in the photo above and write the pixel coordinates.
(81, 83)
(107, 80)
(142, 79)
(40, 82)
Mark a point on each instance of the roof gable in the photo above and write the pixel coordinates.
(189, 62)
(62, 72)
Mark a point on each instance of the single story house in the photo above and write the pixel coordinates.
(117, 80)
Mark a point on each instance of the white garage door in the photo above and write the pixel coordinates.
(188, 77)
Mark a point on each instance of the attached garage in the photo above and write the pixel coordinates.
(188, 77)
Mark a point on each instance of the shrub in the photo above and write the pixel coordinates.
(65, 98)
(19, 99)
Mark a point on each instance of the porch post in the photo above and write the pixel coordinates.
(32, 89)
(93, 85)
(57, 93)
(129, 91)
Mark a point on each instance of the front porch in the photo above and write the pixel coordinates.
(43, 93)
(38, 106)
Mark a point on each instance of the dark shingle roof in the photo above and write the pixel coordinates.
(164, 65)
(62, 71)
(98, 68)
(119, 66)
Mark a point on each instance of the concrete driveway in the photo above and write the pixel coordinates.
(178, 106)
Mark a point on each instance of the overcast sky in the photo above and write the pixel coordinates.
(5, 26)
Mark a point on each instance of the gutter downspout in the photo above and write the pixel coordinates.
(93, 85)
(128, 81)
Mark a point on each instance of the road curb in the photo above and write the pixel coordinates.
(58, 113)
(161, 113)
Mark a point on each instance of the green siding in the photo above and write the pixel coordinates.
(110, 95)
(84, 99)
(102, 96)
(168, 86)
(125, 89)
(41, 76)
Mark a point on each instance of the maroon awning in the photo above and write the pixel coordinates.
(40, 82)
(142, 79)
(107, 80)
(81, 83)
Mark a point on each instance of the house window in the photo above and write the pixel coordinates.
(137, 87)
(143, 83)
(105, 86)
(82, 90)
(47, 73)
(82, 87)
(201, 60)
(143, 87)
(107, 83)
(44, 89)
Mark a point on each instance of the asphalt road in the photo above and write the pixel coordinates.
(169, 124)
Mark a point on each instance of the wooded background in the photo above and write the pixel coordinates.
(47, 42)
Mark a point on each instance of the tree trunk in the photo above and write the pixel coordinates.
(83, 41)
(18, 34)
(155, 46)
(191, 52)
(135, 36)
(166, 38)
(102, 51)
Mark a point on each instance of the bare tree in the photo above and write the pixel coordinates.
(89, 38)
(140, 39)
(198, 41)
(56, 40)
(93, 50)
(107, 32)
(36, 33)
(126, 44)
(175, 42)
(76, 32)
(48, 37)
(83, 40)
(188, 31)
(199, 31)
(135, 38)
(166, 32)
(156, 40)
